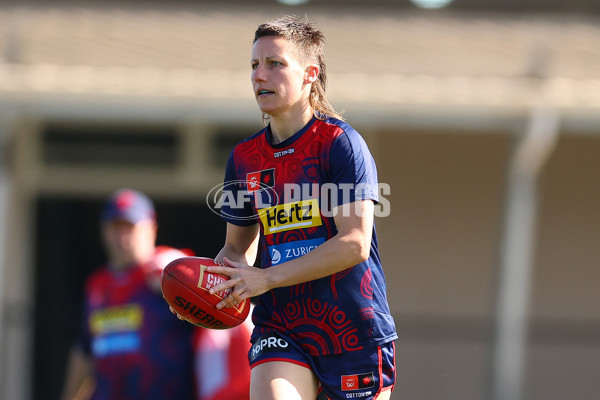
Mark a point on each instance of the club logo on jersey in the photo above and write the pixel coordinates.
(288, 251)
(310, 166)
(296, 215)
(260, 180)
(358, 381)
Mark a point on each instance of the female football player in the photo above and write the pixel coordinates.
(309, 188)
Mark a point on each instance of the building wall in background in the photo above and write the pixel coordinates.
(564, 350)
(440, 249)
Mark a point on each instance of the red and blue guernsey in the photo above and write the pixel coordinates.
(140, 350)
(290, 189)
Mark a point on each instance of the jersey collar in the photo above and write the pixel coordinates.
(292, 138)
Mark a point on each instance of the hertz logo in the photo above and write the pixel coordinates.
(301, 214)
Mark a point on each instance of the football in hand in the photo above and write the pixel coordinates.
(185, 285)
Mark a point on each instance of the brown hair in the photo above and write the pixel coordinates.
(310, 43)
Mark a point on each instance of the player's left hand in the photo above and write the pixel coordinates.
(245, 281)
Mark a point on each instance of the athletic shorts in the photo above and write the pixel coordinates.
(360, 374)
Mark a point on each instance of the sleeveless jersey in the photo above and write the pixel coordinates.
(290, 189)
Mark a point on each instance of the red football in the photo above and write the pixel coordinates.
(185, 284)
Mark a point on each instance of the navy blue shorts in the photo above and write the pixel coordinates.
(360, 374)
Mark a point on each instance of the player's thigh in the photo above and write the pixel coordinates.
(280, 380)
(385, 394)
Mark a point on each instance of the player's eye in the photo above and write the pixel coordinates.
(254, 65)
(276, 63)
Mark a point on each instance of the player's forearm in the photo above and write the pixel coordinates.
(247, 256)
(231, 253)
(79, 380)
(350, 246)
(241, 244)
(337, 254)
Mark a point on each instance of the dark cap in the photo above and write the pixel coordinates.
(129, 205)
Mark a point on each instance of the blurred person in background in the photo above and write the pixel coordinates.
(129, 346)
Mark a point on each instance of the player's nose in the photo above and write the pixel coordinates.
(258, 74)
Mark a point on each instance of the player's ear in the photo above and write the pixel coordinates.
(311, 73)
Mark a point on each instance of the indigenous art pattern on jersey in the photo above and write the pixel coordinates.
(292, 188)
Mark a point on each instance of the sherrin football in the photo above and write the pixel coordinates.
(185, 283)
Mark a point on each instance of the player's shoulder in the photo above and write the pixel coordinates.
(250, 141)
(244, 147)
(343, 136)
(338, 128)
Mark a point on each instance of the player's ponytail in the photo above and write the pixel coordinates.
(318, 98)
(310, 43)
